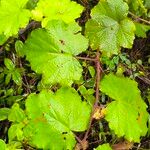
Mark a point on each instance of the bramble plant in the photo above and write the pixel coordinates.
(66, 80)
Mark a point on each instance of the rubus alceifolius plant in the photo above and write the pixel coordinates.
(75, 90)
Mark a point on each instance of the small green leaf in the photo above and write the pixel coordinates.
(16, 114)
(127, 110)
(18, 47)
(16, 76)
(65, 10)
(3, 39)
(13, 16)
(16, 132)
(31, 4)
(103, 147)
(4, 113)
(9, 64)
(2, 145)
(109, 29)
(141, 30)
(8, 78)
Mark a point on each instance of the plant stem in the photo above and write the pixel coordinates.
(86, 58)
(137, 17)
(98, 70)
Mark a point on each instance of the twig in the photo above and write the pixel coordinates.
(26, 82)
(98, 70)
(137, 17)
(86, 58)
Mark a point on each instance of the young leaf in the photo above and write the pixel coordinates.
(16, 76)
(49, 57)
(127, 109)
(109, 28)
(15, 131)
(13, 16)
(3, 39)
(141, 30)
(16, 114)
(65, 10)
(60, 114)
(4, 113)
(103, 147)
(9, 64)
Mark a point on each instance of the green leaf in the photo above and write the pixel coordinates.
(13, 16)
(141, 30)
(31, 4)
(16, 76)
(49, 57)
(109, 29)
(4, 113)
(65, 35)
(37, 104)
(147, 4)
(18, 47)
(103, 147)
(9, 64)
(2, 145)
(54, 117)
(3, 39)
(65, 10)
(127, 110)
(8, 78)
(43, 136)
(15, 132)
(16, 114)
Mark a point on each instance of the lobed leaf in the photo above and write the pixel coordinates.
(109, 29)
(52, 57)
(13, 16)
(127, 109)
(60, 114)
(64, 10)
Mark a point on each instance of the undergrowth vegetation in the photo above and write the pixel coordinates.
(74, 74)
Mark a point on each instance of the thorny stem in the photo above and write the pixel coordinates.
(98, 70)
(140, 19)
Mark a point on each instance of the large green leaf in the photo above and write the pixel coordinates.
(13, 16)
(65, 10)
(52, 57)
(53, 117)
(109, 29)
(127, 115)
